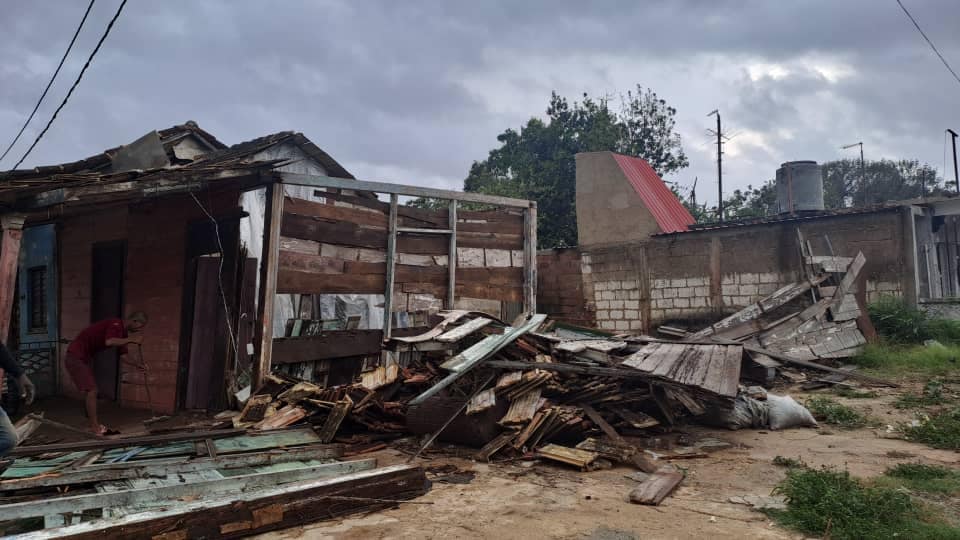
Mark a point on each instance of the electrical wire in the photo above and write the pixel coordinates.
(49, 84)
(932, 46)
(223, 294)
(75, 83)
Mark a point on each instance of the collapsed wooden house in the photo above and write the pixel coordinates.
(259, 255)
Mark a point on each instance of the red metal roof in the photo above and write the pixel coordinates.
(669, 212)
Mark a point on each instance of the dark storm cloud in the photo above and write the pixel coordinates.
(415, 91)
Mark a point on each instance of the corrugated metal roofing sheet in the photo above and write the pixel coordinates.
(669, 212)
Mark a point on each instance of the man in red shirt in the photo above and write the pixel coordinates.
(93, 339)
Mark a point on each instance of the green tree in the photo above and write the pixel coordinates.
(881, 181)
(537, 162)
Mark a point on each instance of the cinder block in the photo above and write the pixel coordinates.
(600, 286)
(769, 277)
(749, 290)
(622, 325)
(603, 315)
(603, 304)
(678, 282)
(670, 293)
(633, 294)
(681, 303)
(749, 278)
(632, 315)
(698, 302)
(696, 282)
(661, 283)
(631, 304)
(729, 289)
(728, 279)
(685, 292)
(616, 314)
(616, 304)
(620, 295)
(666, 303)
(702, 292)
(656, 293)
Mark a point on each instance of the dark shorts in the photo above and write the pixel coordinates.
(82, 373)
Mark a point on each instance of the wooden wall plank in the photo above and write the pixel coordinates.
(338, 344)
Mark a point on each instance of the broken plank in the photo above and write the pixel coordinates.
(168, 466)
(813, 365)
(655, 489)
(245, 514)
(602, 424)
(583, 459)
(334, 419)
(134, 497)
(463, 330)
(124, 442)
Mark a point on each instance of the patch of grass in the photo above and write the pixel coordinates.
(940, 430)
(829, 411)
(933, 394)
(899, 322)
(835, 505)
(790, 463)
(926, 478)
(853, 393)
(932, 361)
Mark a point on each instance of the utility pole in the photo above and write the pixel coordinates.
(863, 173)
(953, 135)
(719, 165)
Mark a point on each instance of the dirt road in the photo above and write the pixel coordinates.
(541, 500)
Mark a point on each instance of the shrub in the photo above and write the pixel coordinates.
(830, 412)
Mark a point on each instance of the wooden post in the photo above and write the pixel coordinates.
(268, 283)
(530, 258)
(452, 258)
(12, 225)
(391, 262)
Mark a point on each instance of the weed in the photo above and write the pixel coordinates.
(932, 361)
(790, 463)
(898, 322)
(932, 395)
(833, 504)
(940, 430)
(829, 411)
(926, 478)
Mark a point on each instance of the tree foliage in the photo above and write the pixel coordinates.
(537, 162)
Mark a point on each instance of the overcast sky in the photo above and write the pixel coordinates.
(413, 92)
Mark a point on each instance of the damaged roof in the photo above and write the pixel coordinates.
(184, 149)
(785, 218)
(666, 208)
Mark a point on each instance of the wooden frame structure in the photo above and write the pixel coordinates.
(270, 266)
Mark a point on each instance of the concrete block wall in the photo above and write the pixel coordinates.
(703, 275)
(560, 287)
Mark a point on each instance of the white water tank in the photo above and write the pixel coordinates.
(799, 187)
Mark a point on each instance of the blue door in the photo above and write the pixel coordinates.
(39, 325)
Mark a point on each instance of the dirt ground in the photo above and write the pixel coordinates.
(535, 499)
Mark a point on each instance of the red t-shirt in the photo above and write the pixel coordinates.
(93, 339)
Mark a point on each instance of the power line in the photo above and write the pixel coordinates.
(75, 83)
(932, 46)
(49, 84)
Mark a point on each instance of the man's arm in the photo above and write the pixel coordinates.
(121, 341)
(9, 365)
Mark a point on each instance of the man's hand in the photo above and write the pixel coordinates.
(135, 339)
(27, 390)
